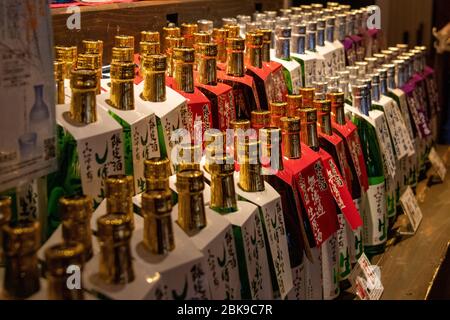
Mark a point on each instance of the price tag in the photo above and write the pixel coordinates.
(412, 210)
(437, 163)
(366, 280)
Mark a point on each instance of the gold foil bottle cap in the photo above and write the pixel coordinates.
(308, 116)
(21, 238)
(248, 152)
(237, 44)
(219, 34)
(157, 203)
(242, 124)
(171, 32)
(211, 136)
(323, 105)
(254, 39)
(267, 35)
(308, 97)
(202, 37)
(174, 42)
(189, 157)
(83, 79)
(250, 179)
(88, 61)
(5, 210)
(121, 186)
(233, 30)
(66, 54)
(60, 256)
(155, 63)
(114, 227)
(157, 168)
(260, 119)
(221, 164)
(149, 48)
(124, 41)
(188, 28)
(290, 124)
(294, 103)
(207, 49)
(93, 46)
(150, 36)
(336, 98)
(76, 207)
(59, 70)
(270, 139)
(190, 181)
(184, 54)
(122, 54)
(122, 70)
(277, 111)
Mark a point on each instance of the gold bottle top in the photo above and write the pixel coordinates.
(223, 194)
(157, 172)
(83, 107)
(59, 70)
(122, 85)
(169, 32)
(189, 157)
(21, 239)
(124, 41)
(278, 110)
(233, 30)
(60, 256)
(253, 53)
(337, 101)
(271, 146)
(235, 57)
(88, 61)
(154, 67)
(215, 143)
(207, 66)
(68, 55)
(114, 228)
(307, 97)
(150, 36)
(93, 46)
(267, 41)
(219, 36)
(242, 124)
(187, 32)
(119, 190)
(260, 119)
(308, 119)
(158, 227)
(294, 104)
(149, 48)
(122, 54)
(191, 207)
(5, 210)
(250, 178)
(183, 61)
(77, 208)
(290, 127)
(323, 108)
(174, 42)
(202, 37)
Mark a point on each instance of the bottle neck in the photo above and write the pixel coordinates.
(341, 32)
(250, 178)
(311, 37)
(223, 195)
(330, 33)
(391, 82)
(122, 86)
(283, 48)
(291, 144)
(184, 76)
(78, 232)
(116, 261)
(298, 43)
(310, 138)
(376, 92)
(191, 210)
(83, 106)
(338, 114)
(207, 71)
(265, 52)
(154, 86)
(121, 203)
(321, 37)
(235, 63)
(324, 120)
(383, 86)
(38, 92)
(360, 103)
(21, 275)
(253, 56)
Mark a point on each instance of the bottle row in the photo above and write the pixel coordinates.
(316, 137)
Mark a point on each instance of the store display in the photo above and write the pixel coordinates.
(263, 159)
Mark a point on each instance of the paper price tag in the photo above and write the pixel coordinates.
(412, 210)
(366, 280)
(437, 163)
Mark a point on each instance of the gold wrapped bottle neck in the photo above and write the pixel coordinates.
(307, 97)
(277, 111)
(267, 42)
(59, 69)
(294, 103)
(235, 57)
(183, 59)
(124, 41)
(150, 36)
(187, 32)
(61, 256)
(254, 42)
(308, 118)
(323, 108)
(119, 186)
(271, 154)
(207, 66)
(76, 207)
(83, 107)
(93, 46)
(260, 119)
(149, 48)
(120, 54)
(250, 178)
(291, 137)
(114, 227)
(21, 238)
(223, 194)
(157, 172)
(154, 67)
(337, 107)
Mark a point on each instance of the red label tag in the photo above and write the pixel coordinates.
(340, 192)
(310, 181)
(279, 88)
(351, 137)
(223, 109)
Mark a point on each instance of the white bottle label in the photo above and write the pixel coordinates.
(375, 224)
(344, 257)
(330, 268)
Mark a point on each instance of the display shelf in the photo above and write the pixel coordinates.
(409, 267)
(104, 21)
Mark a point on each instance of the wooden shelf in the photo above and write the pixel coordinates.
(104, 21)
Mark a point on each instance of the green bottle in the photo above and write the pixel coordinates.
(375, 218)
